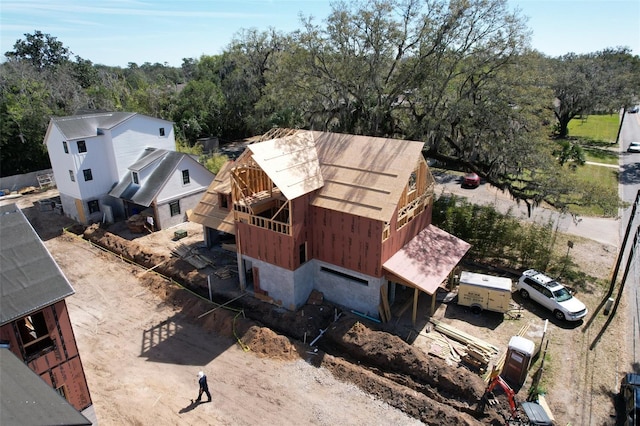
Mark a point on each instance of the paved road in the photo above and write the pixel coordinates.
(606, 231)
(629, 187)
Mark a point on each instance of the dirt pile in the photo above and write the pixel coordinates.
(379, 363)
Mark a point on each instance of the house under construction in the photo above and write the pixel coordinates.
(346, 215)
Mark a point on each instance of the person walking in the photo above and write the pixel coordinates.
(204, 387)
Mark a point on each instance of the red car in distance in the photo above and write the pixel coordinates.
(470, 180)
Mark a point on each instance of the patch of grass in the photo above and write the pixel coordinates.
(596, 129)
(605, 179)
(596, 134)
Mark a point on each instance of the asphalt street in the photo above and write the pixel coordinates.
(603, 230)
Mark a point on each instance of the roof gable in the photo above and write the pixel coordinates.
(290, 162)
(29, 277)
(164, 163)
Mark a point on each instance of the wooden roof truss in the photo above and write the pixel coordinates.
(256, 200)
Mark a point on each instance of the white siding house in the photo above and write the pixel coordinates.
(91, 153)
(164, 185)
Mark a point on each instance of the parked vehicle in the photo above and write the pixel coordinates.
(480, 291)
(550, 294)
(634, 109)
(470, 180)
(634, 147)
(630, 399)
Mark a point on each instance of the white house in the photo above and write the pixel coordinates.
(91, 153)
(165, 183)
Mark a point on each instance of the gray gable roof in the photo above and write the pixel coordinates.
(29, 277)
(26, 399)
(87, 125)
(166, 162)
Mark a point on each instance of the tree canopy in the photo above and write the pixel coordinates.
(456, 74)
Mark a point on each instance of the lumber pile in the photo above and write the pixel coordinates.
(474, 351)
(194, 259)
(223, 273)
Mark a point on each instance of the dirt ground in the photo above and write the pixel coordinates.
(143, 340)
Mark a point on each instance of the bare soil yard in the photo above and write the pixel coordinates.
(143, 340)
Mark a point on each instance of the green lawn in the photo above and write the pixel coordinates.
(606, 179)
(596, 134)
(598, 129)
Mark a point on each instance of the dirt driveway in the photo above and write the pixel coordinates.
(141, 358)
(141, 354)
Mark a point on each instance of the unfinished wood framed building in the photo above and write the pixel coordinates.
(347, 215)
(34, 320)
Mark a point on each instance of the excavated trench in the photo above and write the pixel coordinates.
(380, 363)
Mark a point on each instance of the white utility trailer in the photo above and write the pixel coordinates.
(484, 292)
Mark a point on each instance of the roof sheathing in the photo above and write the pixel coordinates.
(29, 277)
(290, 162)
(207, 212)
(363, 175)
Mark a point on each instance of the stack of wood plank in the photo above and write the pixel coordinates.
(196, 260)
(477, 353)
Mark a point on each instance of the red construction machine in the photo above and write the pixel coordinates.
(532, 414)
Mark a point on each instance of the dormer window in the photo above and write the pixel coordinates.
(82, 146)
(185, 177)
(134, 177)
(161, 131)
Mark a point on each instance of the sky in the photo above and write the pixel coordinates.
(117, 32)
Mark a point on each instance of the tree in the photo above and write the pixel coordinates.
(41, 50)
(604, 81)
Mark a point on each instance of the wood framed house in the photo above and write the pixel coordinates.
(90, 153)
(34, 321)
(347, 215)
(164, 183)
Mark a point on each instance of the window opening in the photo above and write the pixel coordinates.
(71, 176)
(161, 131)
(82, 146)
(34, 334)
(94, 206)
(303, 253)
(87, 174)
(62, 391)
(174, 206)
(134, 176)
(185, 177)
(344, 275)
(65, 146)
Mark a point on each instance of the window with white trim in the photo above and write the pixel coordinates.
(87, 174)
(134, 177)
(185, 177)
(82, 146)
(71, 176)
